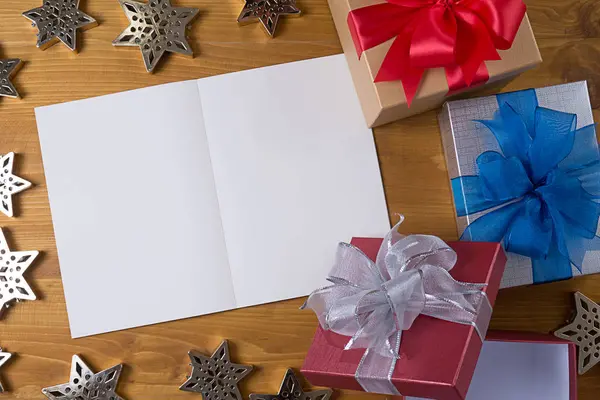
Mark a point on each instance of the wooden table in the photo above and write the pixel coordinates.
(271, 337)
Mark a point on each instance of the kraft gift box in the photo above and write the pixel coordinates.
(438, 357)
(384, 102)
(464, 140)
(524, 365)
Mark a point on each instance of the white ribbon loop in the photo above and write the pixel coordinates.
(373, 302)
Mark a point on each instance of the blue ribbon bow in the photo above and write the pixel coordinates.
(543, 190)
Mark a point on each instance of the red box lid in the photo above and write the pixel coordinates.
(438, 357)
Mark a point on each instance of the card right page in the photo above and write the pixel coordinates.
(296, 172)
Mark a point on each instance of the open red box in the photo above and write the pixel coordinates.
(442, 360)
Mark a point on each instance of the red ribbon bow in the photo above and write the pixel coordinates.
(458, 35)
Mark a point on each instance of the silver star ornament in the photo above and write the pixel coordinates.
(59, 20)
(86, 385)
(13, 264)
(292, 390)
(10, 184)
(267, 12)
(584, 331)
(215, 377)
(8, 67)
(3, 359)
(156, 27)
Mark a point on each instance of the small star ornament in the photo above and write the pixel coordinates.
(10, 184)
(215, 377)
(267, 12)
(86, 385)
(13, 264)
(292, 390)
(584, 331)
(8, 67)
(59, 20)
(156, 27)
(3, 359)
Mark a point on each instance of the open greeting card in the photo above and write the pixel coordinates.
(202, 196)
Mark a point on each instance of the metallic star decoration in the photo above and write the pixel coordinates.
(8, 67)
(3, 359)
(59, 20)
(85, 385)
(267, 12)
(10, 184)
(584, 331)
(215, 377)
(156, 27)
(13, 264)
(292, 390)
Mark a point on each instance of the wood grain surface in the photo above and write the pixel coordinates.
(271, 337)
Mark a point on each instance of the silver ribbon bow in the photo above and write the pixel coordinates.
(373, 302)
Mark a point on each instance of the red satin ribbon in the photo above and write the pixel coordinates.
(457, 35)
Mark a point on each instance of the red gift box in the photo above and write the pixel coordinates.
(438, 357)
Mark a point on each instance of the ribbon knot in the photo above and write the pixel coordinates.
(542, 190)
(373, 302)
(446, 3)
(458, 35)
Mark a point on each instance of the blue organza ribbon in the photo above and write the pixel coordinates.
(541, 192)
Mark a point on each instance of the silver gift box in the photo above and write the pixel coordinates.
(464, 140)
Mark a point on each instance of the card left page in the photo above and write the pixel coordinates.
(136, 217)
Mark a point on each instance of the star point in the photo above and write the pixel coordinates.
(86, 385)
(584, 331)
(156, 28)
(4, 357)
(267, 12)
(58, 21)
(215, 377)
(292, 390)
(13, 264)
(8, 68)
(10, 184)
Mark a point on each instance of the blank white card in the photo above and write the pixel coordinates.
(203, 196)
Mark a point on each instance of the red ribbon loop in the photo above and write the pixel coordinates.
(434, 39)
(458, 35)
